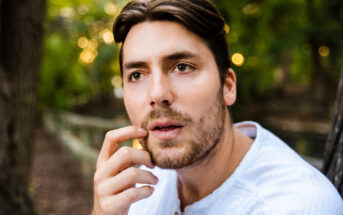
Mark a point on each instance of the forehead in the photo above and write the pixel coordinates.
(154, 39)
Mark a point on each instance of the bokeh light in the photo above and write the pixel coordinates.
(87, 56)
(324, 51)
(107, 36)
(227, 29)
(118, 92)
(237, 59)
(110, 8)
(117, 81)
(92, 44)
(82, 42)
(251, 9)
(67, 12)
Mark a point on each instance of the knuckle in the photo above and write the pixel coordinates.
(108, 134)
(100, 190)
(99, 165)
(132, 194)
(132, 173)
(125, 151)
(97, 192)
(104, 205)
(96, 177)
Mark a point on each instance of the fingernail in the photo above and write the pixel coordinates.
(156, 180)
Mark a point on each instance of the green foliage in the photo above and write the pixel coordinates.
(276, 40)
(279, 40)
(75, 71)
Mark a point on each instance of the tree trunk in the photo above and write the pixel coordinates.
(333, 157)
(21, 33)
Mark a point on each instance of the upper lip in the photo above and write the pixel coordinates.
(164, 123)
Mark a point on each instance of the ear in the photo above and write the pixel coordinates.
(229, 88)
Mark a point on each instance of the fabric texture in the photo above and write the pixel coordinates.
(271, 179)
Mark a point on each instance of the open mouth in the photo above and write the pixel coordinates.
(165, 130)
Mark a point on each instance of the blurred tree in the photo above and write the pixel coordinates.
(21, 33)
(333, 158)
(80, 58)
(287, 45)
(324, 31)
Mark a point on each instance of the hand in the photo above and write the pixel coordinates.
(116, 174)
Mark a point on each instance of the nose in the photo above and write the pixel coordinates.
(160, 90)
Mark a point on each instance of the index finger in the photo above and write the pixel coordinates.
(114, 137)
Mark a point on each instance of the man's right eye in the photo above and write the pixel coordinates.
(135, 76)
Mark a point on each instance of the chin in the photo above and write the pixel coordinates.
(174, 157)
(168, 159)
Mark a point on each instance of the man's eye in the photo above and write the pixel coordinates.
(182, 68)
(135, 76)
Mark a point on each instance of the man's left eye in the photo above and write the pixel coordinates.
(182, 68)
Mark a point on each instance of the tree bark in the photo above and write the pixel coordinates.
(333, 157)
(21, 33)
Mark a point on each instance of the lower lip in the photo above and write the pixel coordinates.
(167, 134)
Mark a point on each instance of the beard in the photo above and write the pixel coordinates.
(206, 134)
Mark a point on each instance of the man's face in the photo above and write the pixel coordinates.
(172, 88)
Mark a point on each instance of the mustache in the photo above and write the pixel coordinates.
(167, 113)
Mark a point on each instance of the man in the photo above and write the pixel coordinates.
(177, 83)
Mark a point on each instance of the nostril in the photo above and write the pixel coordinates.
(165, 102)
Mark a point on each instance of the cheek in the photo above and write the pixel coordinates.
(198, 93)
(134, 104)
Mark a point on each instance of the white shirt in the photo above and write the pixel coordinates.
(271, 179)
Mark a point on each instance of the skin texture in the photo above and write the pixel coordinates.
(205, 135)
(185, 90)
(170, 74)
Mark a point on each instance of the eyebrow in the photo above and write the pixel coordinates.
(180, 55)
(135, 64)
(171, 57)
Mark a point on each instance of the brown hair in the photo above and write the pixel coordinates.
(199, 16)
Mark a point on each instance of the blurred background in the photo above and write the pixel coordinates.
(287, 55)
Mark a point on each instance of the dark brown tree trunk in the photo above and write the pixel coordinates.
(333, 157)
(21, 34)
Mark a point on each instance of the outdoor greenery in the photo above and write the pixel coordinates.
(285, 42)
(80, 57)
(274, 46)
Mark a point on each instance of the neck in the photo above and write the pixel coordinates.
(215, 169)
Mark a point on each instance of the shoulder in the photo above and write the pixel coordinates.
(285, 183)
(310, 195)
